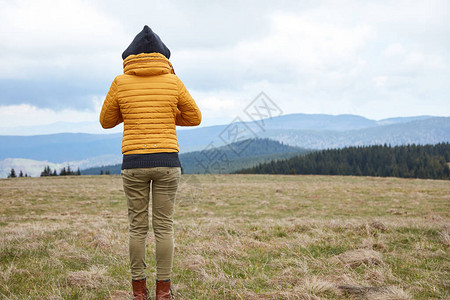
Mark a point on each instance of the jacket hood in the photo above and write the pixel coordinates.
(147, 64)
(146, 41)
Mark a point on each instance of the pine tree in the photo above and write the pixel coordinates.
(47, 171)
(422, 161)
(12, 174)
(20, 173)
(78, 172)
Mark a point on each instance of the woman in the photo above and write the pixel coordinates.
(150, 99)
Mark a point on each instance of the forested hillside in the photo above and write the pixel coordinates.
(224, 159)
(411, 161)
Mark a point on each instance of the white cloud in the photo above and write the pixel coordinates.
(50, 26)
(311, 56)
(412, 61)
(216, 103)
(55, 37)
(418, 59)
(380, 81)
(394, 50)
(297, 50)
(28, 115)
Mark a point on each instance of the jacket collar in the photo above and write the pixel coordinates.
(147, 64)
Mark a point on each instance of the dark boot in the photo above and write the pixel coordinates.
(140, 291)
(163, 291)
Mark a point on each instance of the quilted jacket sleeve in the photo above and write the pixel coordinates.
(110, 115)
(188, 113)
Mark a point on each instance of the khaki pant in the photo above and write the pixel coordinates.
(163, 182)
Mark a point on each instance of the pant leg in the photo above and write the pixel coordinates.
(136, 185)
(164, 189)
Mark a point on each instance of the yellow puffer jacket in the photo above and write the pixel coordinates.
(150, 99)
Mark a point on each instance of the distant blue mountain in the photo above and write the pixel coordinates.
(224, 159)
(398, 120)
(61, 147)
(301, 130)
(319, 122)
(420, 131)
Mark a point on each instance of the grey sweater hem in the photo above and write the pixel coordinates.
(150, 160)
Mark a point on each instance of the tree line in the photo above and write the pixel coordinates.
(410, 161)
(12, 174)
(63, 172)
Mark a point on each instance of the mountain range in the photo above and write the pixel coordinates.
(224, 159)
(317, 131)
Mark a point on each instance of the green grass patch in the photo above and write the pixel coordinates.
(237, 237)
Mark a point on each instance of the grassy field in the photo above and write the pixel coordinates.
(237, 237)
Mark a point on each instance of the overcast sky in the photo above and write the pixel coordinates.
(377, 59)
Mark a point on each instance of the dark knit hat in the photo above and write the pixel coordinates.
(146, 41)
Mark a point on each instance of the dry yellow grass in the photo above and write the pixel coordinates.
(237, 237)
